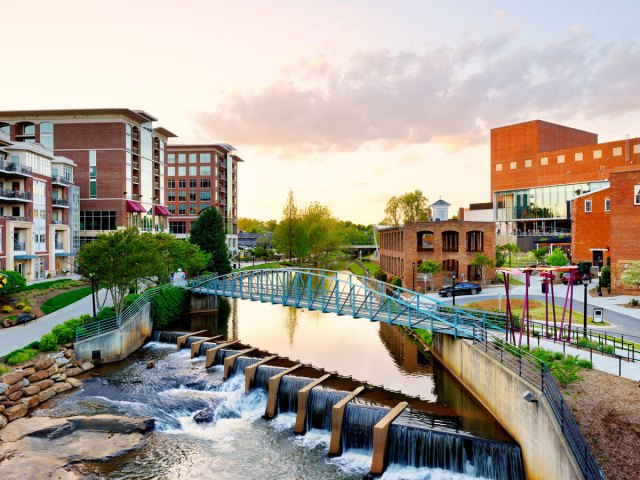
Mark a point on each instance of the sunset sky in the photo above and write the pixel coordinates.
(347, 103)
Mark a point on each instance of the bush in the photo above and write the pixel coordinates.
(425, 335)
(15, 282)
(605, 278)
(168, 305)
(20, 356)
(20, 305)
(380, 275)
(106, 312)
(129, 299)
(26, 309)
(7, 309)
(397, 281)
(634, 302)
(48, 342)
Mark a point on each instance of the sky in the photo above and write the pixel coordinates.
(345, 102)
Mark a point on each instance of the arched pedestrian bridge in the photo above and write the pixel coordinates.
(345, 294)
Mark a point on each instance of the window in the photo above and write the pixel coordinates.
(636, 195)
(205, 171)
(578, 156)
(171, 183)
(425, 241)
(177, 227)
(193, 183)
(192, 196)
(182, 171)
(607, 205)
(46, 134)
(182, 183)
(182, 209)
(171, 208)
(597, 154)
(98, 219)
(498, 167)
(171, 171)
(449, 241)
(527, 164)
(93, 187)
(5, 128)
(513, 165)
(205, 195)
(617, 151)
(171, 158)
(450, 266)
(544, 161)
(636, 147)
(193, 171)
(205, 183)
(475, 241)
(205, 158)
(560, 158)
(193, 158)
(182, 158)
(171, 196)
(182, 196)
(193, 210)
(587, 206)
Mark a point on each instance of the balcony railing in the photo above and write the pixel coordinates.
(135, 179)
(15, 219)
(55, 221)
(59, 246)
(135, 165)
(59, 202)
(15, 168)
(15, 194)
(19, 246)
(60, 180)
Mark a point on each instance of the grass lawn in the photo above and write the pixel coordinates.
(64, 299)
(62, 283)
(536, 310)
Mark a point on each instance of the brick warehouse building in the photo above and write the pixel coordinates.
(452, 243)
(120, 160)
(199, 177)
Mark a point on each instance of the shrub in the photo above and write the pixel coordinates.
(380, 275)
(26, 309)
(106, 312)
(566, 372)
(605, 278)
(15, 282)
(20, 356)
(585, 364)
(634, 302)
(7, 309)
(48, 342)
(129, 299)
(168, 305)
(397, 281)
(20, 305)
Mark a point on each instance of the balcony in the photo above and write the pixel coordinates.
(19, 246)
(16, 195)
(135, 180)
(59, 202)
(156, 185)
(57, 221)
(59, 246)
(15, 168)
(60, 180)
(15, 219)
(136, 165)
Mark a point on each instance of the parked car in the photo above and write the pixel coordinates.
(462, 288)
(577, 278)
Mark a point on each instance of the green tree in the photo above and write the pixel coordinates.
(253, 225)
(631, 276)
(177, 254)
(321, 229)
(539, 254)
(500, 256)
(407, 208)
(481, 261)
(432, 267)
(288, 237)
(510, 249)
(392, 212)
(117, 261)
(209, 234)
(15, 282)
(558, 258)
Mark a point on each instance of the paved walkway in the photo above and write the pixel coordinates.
(22, 335)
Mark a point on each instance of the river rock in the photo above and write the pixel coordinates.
(150, 365)
(46, 394)
(86, 366)
(74, 382)
(113, 423)
(3, 388)
(13, 388)
(29, 402)
(57, 355)
(43, 384)
(62, 387)
(68, 354)
(12, 377)
(44, 363)
(15, 412)
(39, 375)
(54, 377)
(31, 390)
(72, 372)
(62, 377)
(203, 416)
(15, 395)
(32, 426)
(28, 371)
(3, 421)
(25, 383)
(1, 408)
(52, 370)
(62, 361)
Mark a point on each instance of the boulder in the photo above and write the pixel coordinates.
(25, 382)
(53, 369)
(31, 390)
(74, 382)
(150, 365)
(3, 421)
(28, 371)
(68, 354)
(30, 426)
(86, 366)
(113, 423)
(72, 372)
(57, 355)
(44, 363)
(12, 377)
(203, 416)
(16, 395)
(40, 375)
(3, 387)
(15, 412)
(43, 384)
(1, 408)
(62, 387)
(13, 388)
(46, 394)
(61, 361)
(55, 377)
(29, 402)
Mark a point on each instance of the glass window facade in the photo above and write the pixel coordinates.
(171, 183)
(193, 183)
(205, 195)
(205, 171)
(93, 173)
(182, 171)
(540, 203)
(205, 158)
(182, 158)
(178, 227)
(182, 183)
(171, 158)
(193, 171)
(205, 183)
(46, 134)
(98, 219)
(193, 158)
(171, 171)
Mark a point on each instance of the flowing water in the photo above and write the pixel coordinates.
(240, 444)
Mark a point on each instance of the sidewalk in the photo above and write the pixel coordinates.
(22, 335)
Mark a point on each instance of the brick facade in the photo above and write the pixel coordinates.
(590, 231)
(452, 243)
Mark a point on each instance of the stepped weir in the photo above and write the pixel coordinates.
(393, 429)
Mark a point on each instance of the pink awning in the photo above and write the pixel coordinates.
(134, 206)
(161, 210)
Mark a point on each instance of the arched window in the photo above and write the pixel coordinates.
(425, 241)
(5, 128)
(26, 132)
(449, 241)
(475, 241)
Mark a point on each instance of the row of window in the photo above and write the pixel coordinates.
(193, 158)
(450, 240)
(588, 204)
(205, 171)
(560, 159)
(205, 195)
(98, 219)
(193, 183)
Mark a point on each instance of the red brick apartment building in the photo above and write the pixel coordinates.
(452, 243)
(38, 205)
(120, 160)
(199, 177)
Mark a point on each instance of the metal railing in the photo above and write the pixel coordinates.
(15, 194)
(100, 327)
(19, 246)
(59, 202)
(537, 373)
(15, 167)
(59, 246)
(59, 179)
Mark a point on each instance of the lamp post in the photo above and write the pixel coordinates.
(413, 276)
(585, 281)
(454, 275)
(93, 293)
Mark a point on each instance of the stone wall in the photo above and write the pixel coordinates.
(37, 381)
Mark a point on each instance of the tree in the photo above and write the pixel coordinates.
(321, 229)
(209, 234)
(177, 254)
(15, 282)
(432, 267)
(510, 248)
(407, 208)
(500, 256)
(481, 261)
(539, 254)
(288, 235)
(116, 261)
(631, 276)
(558, 258)
(253, 225)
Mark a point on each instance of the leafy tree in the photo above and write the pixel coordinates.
(15, 282)
(209, 234)
(481, 261)
(430, 266)
(288, 237)
(558, 258)
(321, 229)
(407, 208)
(253, 225)
(500, 256)
(510, 249)
(177, 254)
(393, 212)
(539, 254)
(631, 276)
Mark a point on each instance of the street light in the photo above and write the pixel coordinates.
(413, 276)
(454, 275)
(585, 281)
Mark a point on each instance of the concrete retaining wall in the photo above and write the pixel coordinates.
(117, 345)
(545, 452)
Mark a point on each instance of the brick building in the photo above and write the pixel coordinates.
(38, 203)
(452, 243)
(120, 160)
(199, 177)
